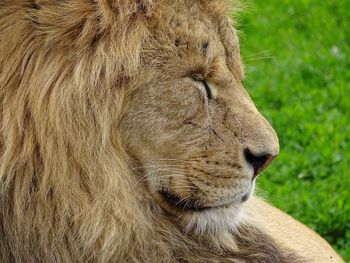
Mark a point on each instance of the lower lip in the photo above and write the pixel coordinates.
(173, 201)
(176, 202)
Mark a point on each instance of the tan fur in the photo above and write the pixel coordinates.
(289, 232)
(101, 108)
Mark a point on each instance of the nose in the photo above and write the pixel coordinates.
(258, 161)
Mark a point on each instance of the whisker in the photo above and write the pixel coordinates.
(183, 199)
(142, 167)
(259, 53)
(169, 159)
(259, 58)
(144, 177)
(156, 171)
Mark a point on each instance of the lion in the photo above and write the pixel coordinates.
(127, 136)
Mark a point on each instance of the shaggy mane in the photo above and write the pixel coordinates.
(66, 191)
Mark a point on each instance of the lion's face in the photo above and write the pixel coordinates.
(196, 137)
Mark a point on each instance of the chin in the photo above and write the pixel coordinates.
(201, 218)
(215, 221)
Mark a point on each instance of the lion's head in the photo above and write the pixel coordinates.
(196, 137)
(123, 123)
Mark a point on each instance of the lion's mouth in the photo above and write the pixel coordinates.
(186, 204)
(181, 203)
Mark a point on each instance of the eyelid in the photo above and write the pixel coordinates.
(200, 78)
(207, 89)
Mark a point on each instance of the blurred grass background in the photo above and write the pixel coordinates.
(297, 56)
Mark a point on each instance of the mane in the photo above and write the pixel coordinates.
(66, 191)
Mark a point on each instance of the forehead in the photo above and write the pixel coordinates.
(190, 19)
(194, 32)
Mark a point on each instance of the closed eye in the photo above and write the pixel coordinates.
(199, 78)
(207, 89)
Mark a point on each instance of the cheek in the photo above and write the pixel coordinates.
(167, 118)
(179, 103)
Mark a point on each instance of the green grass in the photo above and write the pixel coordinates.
(297, 56)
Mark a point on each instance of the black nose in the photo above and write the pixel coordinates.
(259, 162)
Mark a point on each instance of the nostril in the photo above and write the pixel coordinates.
(259, 162)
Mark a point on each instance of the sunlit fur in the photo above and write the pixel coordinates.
(67, 192)
(214, 221)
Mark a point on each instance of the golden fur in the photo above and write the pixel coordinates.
(89, 118)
